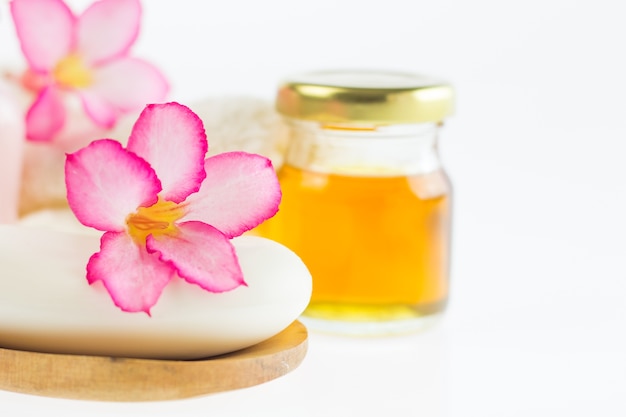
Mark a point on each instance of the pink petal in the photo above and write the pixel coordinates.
(128, 84)
(240, 192)
(201, 254)
(45, 29)
(133, 277)
(107, 29)
(171, 137)
(105, 183)
(122, 86)
(100, 111)
(46, 116)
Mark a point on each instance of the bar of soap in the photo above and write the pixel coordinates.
(46, 304)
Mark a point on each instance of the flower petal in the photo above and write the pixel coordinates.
(128, 84)
(46, 116)
(240, 192)
(101, 112)
(201, 254)
(45, 29)
(105, 183)
(107, 29)
(133, 277)
(171, 138)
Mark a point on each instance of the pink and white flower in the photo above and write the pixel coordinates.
(165, 210)
(87, 55)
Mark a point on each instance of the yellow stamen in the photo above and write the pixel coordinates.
(71, 72)
(157, 220)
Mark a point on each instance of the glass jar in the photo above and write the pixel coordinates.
(366, 202)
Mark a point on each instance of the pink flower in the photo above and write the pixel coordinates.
(87, 55)
(176, 223)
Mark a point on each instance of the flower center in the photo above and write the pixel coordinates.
(71, 72)
(156, 220)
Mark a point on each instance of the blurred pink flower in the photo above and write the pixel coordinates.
(165, 210)
(11, 154)
(87, 55)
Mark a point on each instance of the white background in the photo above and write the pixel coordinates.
(536, 149)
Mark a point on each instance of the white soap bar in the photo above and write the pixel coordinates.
(47, 305)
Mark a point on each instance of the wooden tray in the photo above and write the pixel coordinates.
(123, 379)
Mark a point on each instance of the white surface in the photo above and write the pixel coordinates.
(537, 320)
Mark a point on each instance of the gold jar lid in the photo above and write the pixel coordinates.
(368, 97)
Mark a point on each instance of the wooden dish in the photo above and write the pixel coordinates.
(123, 379)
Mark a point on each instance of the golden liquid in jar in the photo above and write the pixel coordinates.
(377, 247)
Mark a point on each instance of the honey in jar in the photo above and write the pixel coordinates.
(366, 202)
